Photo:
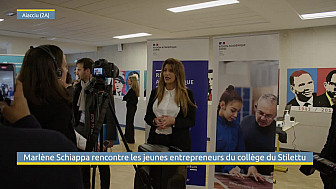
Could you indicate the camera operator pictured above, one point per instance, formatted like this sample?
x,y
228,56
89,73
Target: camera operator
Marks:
x,y
81,104
329,151
18,139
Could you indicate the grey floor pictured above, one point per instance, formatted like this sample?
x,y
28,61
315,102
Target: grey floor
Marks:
x,y
122,176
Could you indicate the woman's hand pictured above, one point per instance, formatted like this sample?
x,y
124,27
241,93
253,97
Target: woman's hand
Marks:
x,y
253,170
157,121
19,108
236,172
164,121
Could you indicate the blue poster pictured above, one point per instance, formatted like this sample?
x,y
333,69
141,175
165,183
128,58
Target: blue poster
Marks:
x,y
196,80
129,73
311,72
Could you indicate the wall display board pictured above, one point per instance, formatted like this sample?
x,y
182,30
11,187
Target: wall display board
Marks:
x,y
311,89
12,59
250,64
194,54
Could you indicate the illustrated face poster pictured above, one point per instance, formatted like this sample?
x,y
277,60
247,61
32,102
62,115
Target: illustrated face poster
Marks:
x,y
311,89
129,73
119,87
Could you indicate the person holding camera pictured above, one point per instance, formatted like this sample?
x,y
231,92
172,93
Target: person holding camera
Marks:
x,y
32,138
43,74
81,105
131,99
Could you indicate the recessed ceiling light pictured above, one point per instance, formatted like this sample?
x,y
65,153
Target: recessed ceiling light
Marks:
x,y
132,35
202,5
318,15
11,14
1,19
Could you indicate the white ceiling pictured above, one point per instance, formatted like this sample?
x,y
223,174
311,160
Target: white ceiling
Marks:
x,y
95,22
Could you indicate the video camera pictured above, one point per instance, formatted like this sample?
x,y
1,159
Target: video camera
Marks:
x,y
321,164
102,69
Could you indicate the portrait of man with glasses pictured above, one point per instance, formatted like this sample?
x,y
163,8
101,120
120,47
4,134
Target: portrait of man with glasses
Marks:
x,y
325,100
259,130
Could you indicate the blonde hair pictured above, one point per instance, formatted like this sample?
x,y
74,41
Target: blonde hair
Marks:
x,y
181,93
135,86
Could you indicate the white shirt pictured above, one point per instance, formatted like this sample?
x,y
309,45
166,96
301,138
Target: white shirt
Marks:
x,y
166,107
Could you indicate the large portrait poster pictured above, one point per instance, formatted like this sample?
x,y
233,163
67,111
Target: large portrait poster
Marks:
x,y
311,89
245,105
194,54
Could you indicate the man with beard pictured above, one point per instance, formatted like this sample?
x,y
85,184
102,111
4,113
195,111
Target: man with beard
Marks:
x,y
325,100
302,85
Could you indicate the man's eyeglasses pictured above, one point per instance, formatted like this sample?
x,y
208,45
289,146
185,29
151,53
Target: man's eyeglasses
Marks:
x,y
267,116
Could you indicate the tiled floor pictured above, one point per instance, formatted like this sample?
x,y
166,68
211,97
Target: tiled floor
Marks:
x,y
122,176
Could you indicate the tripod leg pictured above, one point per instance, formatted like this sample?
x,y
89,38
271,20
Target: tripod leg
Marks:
x,y
93,176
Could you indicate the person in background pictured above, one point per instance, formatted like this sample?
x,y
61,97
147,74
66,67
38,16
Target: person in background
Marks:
x,y
43,75
229,137
32,138
259,130
81,106
131,99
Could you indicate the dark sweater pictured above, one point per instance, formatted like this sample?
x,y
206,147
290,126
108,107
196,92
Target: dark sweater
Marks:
x,y
31,138
55,116
258,139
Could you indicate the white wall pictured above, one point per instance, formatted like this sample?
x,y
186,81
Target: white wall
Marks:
x,y
299,48
306,48
18,45
132,57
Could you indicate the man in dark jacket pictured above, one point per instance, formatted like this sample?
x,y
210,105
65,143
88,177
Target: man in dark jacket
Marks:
x,y
259,129
329,152
82,103
26,135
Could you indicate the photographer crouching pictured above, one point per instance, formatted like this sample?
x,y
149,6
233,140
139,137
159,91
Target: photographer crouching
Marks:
x,y
84,106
